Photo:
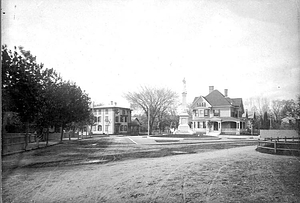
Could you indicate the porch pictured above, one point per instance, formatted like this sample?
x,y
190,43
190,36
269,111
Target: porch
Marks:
x,y
225,126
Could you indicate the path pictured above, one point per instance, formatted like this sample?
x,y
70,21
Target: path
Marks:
x,y
224,175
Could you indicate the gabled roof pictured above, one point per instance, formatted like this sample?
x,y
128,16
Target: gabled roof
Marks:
x,y
135,122
196,99
216,98
236,101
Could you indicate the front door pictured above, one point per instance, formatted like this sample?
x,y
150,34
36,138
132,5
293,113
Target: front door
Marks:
x,y
215,126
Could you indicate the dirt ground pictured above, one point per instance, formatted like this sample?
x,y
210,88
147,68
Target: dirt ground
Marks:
x,y
116,170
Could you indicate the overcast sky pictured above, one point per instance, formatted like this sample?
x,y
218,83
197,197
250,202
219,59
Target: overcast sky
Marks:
x,y
109,47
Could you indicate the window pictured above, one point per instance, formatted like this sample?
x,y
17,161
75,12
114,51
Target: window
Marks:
x,y
125,127
106,128
121,127
200,113
202,104
99,119
204,125
196,114
106,111
198,124
117,118
95,119
194,124
216,112
123,112
106,118
206,112
125,119
99,127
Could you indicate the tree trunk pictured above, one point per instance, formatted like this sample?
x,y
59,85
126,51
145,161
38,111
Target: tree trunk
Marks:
x,y
77,135
26,135
90,131
61,133
47,136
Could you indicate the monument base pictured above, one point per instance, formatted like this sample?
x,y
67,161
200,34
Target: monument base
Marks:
x,y
184,129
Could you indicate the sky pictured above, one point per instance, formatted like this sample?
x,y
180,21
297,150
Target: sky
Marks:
x,y
111,47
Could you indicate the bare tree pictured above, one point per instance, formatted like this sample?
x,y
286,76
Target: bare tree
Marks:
x,y
152,100
276,111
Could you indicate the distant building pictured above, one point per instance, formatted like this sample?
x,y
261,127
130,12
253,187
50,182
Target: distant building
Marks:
x,y
217,114
111,119
134,126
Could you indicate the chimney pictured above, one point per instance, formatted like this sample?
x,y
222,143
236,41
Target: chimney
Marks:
x,y
211,88
115,103
111,102
226,92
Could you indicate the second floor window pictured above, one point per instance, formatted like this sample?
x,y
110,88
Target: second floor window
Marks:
x,y
206,112
216,112
99,119
106,111
117,118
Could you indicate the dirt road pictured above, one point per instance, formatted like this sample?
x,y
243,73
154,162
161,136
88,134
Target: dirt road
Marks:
x,y
228,175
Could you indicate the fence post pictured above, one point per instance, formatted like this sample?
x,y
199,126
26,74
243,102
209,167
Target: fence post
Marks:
x,y
275,147
25,141
284,139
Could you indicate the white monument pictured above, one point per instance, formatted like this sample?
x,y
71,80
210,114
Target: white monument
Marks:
x,y
184,127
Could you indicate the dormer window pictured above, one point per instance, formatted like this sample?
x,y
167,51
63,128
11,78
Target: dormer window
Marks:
x,y
201,104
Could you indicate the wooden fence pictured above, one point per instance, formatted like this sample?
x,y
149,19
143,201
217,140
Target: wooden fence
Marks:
x,y
291,144
12,142
17,142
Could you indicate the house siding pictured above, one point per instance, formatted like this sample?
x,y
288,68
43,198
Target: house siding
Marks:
x,y
225,112
106,120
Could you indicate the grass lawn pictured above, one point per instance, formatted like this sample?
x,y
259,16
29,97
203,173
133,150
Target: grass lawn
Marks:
x,y
113,169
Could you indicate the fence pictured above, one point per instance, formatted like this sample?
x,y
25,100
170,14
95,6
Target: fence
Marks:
x,y
278,133
291,144
16,142
12,142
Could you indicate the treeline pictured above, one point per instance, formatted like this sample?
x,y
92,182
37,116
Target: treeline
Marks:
x,y
275,114
38,97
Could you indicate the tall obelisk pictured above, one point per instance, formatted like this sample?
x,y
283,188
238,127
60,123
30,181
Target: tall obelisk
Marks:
x,y
184,127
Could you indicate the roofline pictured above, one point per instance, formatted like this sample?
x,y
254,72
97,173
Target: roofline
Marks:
x,y
110,107
203,98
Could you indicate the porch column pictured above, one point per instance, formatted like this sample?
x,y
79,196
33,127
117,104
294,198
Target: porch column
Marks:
x,y
220,126
207,127
238,127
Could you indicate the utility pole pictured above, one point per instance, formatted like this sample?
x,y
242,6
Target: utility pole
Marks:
x,y
148,120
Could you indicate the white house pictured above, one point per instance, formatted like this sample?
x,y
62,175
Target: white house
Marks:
x,y
111,119
217,114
